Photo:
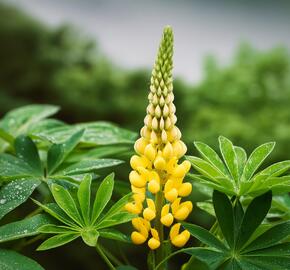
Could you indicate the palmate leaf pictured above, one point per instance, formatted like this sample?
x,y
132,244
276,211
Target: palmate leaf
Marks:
x,y
57,241
66,202
58,152
256,159
11,260
27,151
15,193
84,198
98,152
80,219
103,196
267,251
23,228
237,175
97,133
86,166
20,120
229,155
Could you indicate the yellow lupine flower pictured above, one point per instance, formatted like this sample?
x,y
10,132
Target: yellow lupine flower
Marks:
x,y
178,239
156,169
154,241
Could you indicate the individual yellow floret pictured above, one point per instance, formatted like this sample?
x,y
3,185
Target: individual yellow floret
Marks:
x,y
176,238
154,241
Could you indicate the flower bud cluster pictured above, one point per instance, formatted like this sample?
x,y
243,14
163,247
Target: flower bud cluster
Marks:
x,y
155,166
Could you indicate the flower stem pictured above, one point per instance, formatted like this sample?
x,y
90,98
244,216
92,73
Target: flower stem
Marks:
x,y
159,254
105,258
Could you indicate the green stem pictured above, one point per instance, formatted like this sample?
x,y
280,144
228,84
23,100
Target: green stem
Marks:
x,y
6,136
105,258
114,259
159,253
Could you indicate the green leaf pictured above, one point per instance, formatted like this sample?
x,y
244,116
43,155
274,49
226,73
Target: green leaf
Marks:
x,y
267,262
254,215
276,169
103,196
55,229
229,156
54,210
84,197
238,212
20,120
65,201
97,133
209,256
104,133
96,153
58,152
11,260
116,219
279,250
15,193
256,159
241,158
23,228
12,167
57,240
86,166
211,156
117,207
224,214
270,237
204,236
204,167
207,207
115,235
90,236
27,151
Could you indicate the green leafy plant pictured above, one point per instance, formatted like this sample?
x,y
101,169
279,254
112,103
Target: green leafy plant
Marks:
x,y
241,241
79,218
236,174
67,172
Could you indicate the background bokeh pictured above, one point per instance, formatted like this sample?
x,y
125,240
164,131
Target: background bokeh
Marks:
x,y
241,90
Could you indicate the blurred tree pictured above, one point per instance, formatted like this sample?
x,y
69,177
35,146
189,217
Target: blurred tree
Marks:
x,y
246,101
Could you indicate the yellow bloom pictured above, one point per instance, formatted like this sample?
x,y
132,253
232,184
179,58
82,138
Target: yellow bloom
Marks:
x,y
156,167
154,241
178,239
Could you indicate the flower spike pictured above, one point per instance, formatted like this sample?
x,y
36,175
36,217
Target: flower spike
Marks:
x,y
157,177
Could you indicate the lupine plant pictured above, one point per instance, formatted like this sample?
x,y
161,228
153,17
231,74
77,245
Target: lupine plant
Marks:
x,y
67,171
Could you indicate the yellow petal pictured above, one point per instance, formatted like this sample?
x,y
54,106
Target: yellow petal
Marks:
x,y
185,189
137,161
137,180
174,231
153,186
167,220
150,152
153,243
138,238
133,208
182,213
171,195
149,214
140,145
160,163
167,152
151,204
181,239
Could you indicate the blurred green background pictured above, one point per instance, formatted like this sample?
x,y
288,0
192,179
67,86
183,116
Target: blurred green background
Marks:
x,y
246,100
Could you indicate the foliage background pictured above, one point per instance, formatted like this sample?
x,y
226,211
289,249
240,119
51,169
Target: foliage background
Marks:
x,y
246,101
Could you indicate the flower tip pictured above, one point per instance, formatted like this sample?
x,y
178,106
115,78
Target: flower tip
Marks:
x,y
153,243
